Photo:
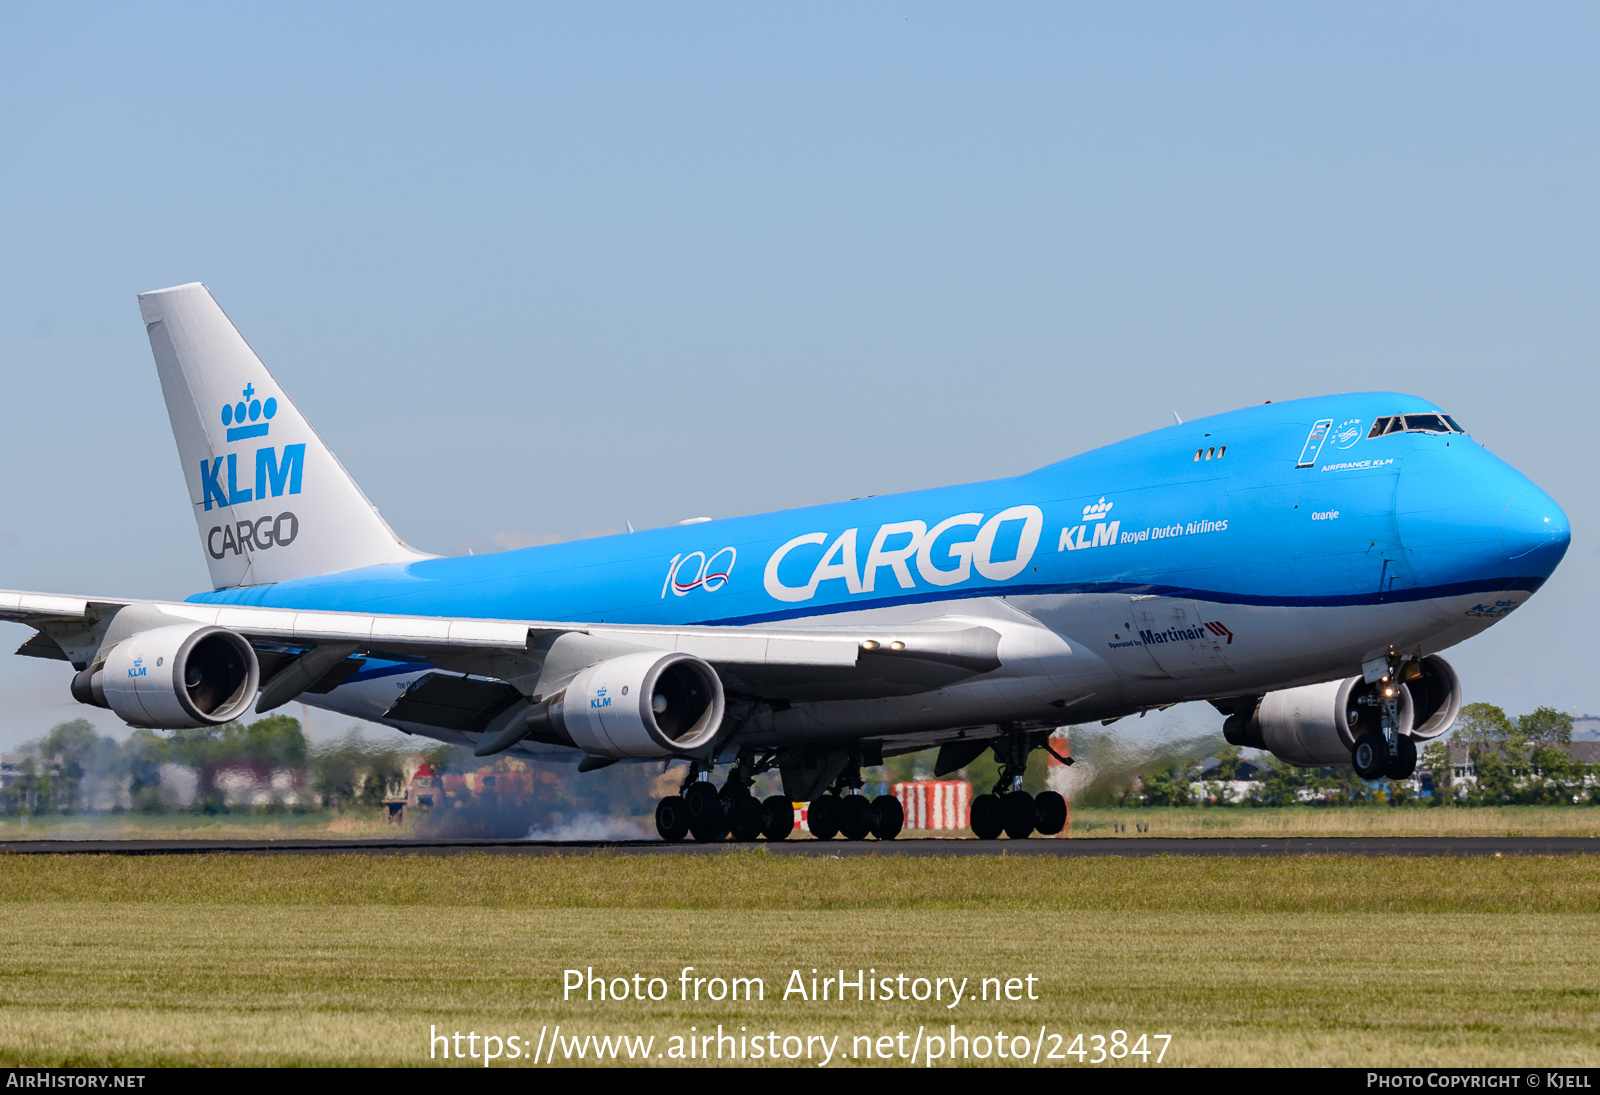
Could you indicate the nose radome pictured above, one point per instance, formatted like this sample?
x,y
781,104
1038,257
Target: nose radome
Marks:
x,y
1535,532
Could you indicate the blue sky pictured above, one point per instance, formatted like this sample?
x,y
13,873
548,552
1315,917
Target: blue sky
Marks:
x,y
536,270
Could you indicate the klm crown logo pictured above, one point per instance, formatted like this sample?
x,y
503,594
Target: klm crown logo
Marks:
x,y
250,417
1095,531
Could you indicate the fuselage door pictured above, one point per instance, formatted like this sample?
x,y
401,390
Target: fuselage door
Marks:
x,y
1182,643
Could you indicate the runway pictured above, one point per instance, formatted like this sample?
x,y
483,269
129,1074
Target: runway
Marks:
x,y
1236,847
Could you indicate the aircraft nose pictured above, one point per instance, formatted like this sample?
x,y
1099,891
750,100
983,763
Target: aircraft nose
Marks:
x,y
1534,532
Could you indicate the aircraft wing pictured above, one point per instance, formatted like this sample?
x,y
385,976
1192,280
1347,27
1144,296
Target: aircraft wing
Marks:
x,y
304,651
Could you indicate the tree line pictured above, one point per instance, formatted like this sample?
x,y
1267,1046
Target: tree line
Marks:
x,y
1513,761
60,773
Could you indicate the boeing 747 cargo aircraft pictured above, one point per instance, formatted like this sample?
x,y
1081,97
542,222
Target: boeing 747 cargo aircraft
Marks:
x,y
1298,565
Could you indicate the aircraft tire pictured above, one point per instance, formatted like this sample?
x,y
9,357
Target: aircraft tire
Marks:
x,y
1404,762
777,817
855,817
744,815
888,817
1050,812
1018,815
708,817
824,816
1370,756
672,819
988,820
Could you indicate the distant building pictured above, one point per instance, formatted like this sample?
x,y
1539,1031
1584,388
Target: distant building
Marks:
x,y
243,784
13,766
423,791
1463,771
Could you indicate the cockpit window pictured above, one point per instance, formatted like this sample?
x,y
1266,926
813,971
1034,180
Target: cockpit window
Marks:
x,y
1415,423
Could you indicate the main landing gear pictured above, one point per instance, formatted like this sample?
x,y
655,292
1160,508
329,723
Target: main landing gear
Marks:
x,y
708,814
1384,752
842,810
1008,808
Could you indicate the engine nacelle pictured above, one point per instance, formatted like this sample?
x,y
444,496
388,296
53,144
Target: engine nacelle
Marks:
x,y
174,678
1435,696
649,704
1318,724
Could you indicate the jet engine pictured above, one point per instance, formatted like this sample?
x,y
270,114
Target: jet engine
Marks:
x,y
1318,724
650,704
174,678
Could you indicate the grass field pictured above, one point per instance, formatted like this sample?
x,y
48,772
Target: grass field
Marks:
x,y
1375,821
1192,821
320,824
244,960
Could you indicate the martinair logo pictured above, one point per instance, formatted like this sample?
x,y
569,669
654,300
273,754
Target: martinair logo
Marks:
x,y
1187,634
687,573
1095,531
277,471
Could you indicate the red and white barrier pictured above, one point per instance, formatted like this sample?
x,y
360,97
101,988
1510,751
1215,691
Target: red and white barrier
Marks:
x,y
936,804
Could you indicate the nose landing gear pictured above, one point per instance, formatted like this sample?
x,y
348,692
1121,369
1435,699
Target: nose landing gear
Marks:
x,y
1385,752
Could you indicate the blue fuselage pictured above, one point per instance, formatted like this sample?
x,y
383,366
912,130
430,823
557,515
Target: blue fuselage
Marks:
x,y
1265,548
1243,508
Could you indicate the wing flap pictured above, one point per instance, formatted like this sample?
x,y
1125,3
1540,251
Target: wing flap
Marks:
x,y
463,704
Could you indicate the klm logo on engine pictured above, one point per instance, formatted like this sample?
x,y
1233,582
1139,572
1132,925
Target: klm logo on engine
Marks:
x,y
1095,531
276,470
600,699
137,669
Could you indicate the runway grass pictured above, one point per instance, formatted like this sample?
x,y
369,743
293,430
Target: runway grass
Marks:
x,y
1093,823
314,960
1323,821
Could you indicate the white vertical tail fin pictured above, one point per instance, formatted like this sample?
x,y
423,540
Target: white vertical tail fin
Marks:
x,y
271,500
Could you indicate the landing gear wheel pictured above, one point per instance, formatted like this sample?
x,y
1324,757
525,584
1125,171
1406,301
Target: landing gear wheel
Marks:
x,y
672,819
744,815
777,817
824,816
888,817
708,819
988,819
855,817
1404,762
1050,812
1370,756
1017,816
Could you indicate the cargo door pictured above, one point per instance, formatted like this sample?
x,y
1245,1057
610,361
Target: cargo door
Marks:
x,y
1180,641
